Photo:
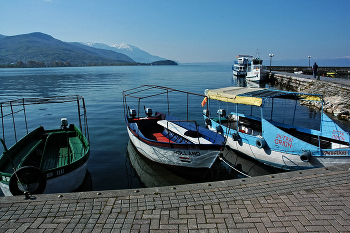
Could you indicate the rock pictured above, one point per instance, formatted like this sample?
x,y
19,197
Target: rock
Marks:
x,y
335,96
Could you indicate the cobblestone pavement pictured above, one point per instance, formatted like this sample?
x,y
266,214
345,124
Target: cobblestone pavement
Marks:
x,y
315,200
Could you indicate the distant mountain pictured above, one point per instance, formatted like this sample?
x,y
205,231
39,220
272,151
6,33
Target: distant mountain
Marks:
x,y
40,47
164,62
135,53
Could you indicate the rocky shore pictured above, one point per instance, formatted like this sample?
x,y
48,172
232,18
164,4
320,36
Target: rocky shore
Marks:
x,y
336,96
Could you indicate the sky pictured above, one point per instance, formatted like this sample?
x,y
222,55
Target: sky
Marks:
x,y
192,30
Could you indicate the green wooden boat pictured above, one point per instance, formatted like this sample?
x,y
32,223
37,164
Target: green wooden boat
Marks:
x,y
45,161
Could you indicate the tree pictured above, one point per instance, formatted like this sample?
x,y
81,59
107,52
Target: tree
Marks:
x,y
20,64
67,64
31,64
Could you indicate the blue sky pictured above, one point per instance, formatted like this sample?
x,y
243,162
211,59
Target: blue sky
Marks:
x,y
192,30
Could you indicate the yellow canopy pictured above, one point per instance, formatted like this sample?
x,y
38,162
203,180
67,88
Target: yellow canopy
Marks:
x,y
253,96
230,94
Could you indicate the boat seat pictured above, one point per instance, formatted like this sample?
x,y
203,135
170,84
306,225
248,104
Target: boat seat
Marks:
x,y
33,156
78,149
56,152
22,155
182,132
176,138
161,138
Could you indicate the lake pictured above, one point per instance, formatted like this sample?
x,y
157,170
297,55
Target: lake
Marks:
x,y
113,162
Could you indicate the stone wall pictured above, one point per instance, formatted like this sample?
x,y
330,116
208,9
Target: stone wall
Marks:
x,y
336,97
308,70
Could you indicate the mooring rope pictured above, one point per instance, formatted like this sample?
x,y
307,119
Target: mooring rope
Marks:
x,y
222,159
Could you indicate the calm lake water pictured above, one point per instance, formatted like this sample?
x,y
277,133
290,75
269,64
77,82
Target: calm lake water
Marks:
x,y
113,162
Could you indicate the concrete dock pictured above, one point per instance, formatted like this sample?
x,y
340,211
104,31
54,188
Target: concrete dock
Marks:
x,y
315,200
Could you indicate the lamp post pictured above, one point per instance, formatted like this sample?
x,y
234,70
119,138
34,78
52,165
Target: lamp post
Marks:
x,y
271,55
309,60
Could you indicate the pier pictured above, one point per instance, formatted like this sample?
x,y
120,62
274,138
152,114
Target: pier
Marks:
x,y
315,200
322,70
335,91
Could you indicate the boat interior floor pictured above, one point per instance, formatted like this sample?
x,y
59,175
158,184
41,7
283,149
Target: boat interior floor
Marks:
x,y
46,151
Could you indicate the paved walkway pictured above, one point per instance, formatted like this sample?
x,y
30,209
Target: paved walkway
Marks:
x,y
315,200
341,81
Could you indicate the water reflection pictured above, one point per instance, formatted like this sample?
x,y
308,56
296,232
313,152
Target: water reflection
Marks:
x,y
86,185
155,175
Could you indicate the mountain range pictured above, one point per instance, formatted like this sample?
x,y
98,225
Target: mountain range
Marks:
x,y
133,52
38,50
41,48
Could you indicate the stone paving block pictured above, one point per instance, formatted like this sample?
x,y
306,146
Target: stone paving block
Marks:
x,y
294,202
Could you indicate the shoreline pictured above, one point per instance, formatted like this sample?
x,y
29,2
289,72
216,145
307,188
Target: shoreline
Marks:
x,y
336,93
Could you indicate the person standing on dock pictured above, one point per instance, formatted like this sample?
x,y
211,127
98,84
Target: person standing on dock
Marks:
x,y
314,69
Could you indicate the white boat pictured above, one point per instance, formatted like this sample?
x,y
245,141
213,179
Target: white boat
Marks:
x,y
255,128
43,161
256,72
164,139
250,68
240,66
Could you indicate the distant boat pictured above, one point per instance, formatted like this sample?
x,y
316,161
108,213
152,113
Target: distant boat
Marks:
x,y
240,66
164,139
252,129
256,72
44,161
250,68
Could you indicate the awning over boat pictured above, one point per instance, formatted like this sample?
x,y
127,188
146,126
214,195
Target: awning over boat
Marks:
x,y
255,96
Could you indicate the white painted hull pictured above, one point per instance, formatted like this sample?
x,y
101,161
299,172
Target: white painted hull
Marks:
x,y
61,184
256,75
269,157
189,158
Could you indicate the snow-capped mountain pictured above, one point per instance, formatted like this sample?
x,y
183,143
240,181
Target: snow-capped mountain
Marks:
x,y
123,46
133,52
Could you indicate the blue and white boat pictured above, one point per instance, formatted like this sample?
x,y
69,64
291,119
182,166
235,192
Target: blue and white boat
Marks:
x,y
256,127
165,139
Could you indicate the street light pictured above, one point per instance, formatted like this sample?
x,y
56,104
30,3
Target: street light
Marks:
x,y
271,55
309,60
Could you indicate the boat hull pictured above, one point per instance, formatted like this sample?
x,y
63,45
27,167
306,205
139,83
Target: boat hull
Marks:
x,y
283,160
188,156
246,144
256,75
61,184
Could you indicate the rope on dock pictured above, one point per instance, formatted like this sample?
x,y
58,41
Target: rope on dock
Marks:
x,y
227,163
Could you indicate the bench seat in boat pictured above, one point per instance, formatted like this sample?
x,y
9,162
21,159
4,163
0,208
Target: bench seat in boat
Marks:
x,y
181,131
